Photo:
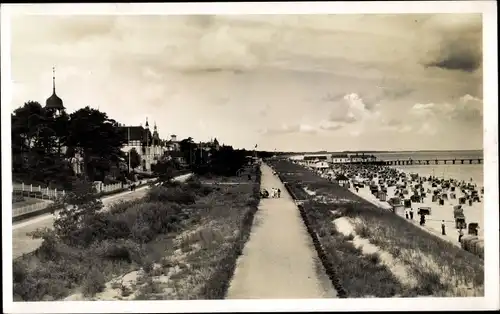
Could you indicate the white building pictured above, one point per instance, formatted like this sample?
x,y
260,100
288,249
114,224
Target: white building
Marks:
x,y
362,158
313,159
148,145
320,165
340,158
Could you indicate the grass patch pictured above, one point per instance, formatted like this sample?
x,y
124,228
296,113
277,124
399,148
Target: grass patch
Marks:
x,y
440,268
21,201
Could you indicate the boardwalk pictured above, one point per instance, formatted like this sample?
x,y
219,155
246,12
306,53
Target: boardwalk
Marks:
x,y
279,260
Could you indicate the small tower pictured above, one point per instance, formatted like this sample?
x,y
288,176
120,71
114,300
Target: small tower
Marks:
x,y
54,104
156,140
155,132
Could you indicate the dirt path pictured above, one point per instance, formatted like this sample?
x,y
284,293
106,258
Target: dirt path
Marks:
x,y
279,260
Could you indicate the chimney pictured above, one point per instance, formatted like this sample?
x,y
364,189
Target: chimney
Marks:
x,y
173,138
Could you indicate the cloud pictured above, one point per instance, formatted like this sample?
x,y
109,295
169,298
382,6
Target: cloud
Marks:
x,y
467,109
350,109
265,111
293,128
427,129
395,125
459,41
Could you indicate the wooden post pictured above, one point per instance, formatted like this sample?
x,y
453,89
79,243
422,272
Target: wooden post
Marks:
x,y
31,187
22,186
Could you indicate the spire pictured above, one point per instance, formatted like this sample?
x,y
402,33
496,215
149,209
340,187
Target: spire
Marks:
x,y
54,102
54,80
147,124
155,128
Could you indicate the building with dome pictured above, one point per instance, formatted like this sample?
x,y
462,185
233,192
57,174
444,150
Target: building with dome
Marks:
x,y
54,104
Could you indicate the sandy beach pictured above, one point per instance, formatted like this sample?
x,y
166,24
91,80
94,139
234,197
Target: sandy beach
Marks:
x,y
474,213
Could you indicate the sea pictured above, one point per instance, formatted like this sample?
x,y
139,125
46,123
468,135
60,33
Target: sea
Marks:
x,y
464,172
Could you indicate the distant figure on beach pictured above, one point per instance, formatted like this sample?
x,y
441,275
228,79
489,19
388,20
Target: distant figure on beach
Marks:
x,y
411,213
460,235
406,214
422,219
443,231
279,193
357,189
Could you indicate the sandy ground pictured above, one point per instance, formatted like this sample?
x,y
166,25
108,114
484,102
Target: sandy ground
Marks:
x,y
279,260
22,244
474,213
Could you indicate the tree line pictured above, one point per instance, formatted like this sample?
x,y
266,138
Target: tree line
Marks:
x,y
43,144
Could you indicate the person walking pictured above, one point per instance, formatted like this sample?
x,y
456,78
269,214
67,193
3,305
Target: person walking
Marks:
x,y
460,235
422,219
411,213
279,193
406,213
443,230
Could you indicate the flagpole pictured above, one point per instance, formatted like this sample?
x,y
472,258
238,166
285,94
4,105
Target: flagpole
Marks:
x,y
128,144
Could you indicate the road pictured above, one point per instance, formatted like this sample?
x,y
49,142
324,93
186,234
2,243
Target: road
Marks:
x,y
279,260
22,244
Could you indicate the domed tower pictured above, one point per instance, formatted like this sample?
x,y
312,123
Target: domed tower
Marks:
x,y
156,141
54,104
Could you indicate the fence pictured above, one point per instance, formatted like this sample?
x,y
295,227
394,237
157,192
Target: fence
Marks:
x,y
36,191
30,208
52,194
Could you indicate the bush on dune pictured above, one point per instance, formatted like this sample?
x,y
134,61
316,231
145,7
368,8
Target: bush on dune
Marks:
x,y
179,194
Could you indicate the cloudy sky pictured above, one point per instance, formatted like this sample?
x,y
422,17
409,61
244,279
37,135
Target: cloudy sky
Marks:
x,y
290,82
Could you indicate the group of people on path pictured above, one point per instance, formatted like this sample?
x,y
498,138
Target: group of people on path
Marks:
x,y
275,193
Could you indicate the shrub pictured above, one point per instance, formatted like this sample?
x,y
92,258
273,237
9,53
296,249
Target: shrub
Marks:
x,y
175,195
120,249
145,221
94,283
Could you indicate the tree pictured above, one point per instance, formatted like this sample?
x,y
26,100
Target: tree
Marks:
x,y
188,150
80,209
135,159
165,170
98,138
37,138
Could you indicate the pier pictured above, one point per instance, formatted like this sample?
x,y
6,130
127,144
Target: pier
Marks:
x,y
412,162
417,162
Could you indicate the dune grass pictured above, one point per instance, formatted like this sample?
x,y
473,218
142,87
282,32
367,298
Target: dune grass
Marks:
x,y
438,267
181,242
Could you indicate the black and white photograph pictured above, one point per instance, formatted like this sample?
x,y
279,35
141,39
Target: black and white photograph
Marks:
x,y
342,157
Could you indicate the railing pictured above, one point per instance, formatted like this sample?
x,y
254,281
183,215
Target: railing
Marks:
x,y
50,195
36,191
29,208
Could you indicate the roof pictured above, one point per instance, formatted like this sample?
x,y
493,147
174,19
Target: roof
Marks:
x,y
318,157
137,133
54,102
339,155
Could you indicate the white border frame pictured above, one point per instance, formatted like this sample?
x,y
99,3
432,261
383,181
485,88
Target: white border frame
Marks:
x,y
491,299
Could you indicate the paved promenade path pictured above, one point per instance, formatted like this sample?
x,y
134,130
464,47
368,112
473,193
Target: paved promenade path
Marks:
x,y
22,244
279,260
